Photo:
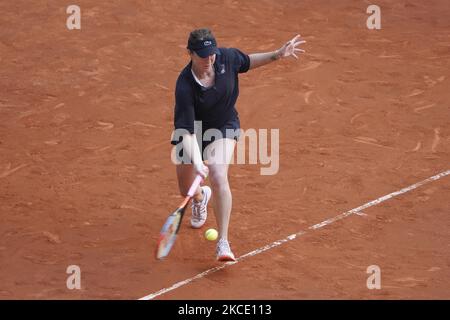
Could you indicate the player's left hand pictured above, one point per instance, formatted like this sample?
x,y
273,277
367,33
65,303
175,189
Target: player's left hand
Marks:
x,y
290,47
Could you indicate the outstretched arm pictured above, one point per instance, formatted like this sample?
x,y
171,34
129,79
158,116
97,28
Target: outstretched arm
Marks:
x,y
288,49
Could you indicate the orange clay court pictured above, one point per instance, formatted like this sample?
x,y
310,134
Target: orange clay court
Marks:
x,y
86,177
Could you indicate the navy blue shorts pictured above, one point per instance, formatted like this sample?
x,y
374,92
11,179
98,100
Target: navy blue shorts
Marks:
x,y
230,130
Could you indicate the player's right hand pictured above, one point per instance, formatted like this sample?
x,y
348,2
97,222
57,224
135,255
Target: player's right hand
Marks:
x,y
201,169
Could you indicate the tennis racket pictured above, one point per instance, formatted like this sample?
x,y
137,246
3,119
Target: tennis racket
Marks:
x,y
169,231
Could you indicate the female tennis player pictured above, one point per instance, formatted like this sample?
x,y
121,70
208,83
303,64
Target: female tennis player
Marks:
x,y
205,98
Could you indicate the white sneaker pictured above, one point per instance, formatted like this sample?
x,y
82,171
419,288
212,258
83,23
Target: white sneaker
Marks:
x,y
199,209
223,251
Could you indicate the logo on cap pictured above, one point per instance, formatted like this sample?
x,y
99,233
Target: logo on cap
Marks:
x,y
207,43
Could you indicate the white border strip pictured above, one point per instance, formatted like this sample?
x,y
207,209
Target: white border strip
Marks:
x,y
295,235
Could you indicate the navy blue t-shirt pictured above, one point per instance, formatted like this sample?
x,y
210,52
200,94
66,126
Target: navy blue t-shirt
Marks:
x,y
214,106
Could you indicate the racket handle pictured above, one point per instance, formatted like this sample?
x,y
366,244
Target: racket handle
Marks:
x,y
194,186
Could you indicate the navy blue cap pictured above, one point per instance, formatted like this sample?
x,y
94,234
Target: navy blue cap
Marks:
x,y
204,48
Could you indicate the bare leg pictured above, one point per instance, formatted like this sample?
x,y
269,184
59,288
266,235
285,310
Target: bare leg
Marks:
x,y
186,175
218,163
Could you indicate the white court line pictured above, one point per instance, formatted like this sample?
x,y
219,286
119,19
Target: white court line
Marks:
x,y
295,235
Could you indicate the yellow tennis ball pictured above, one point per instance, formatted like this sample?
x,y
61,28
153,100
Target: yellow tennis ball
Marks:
x,y
211,234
